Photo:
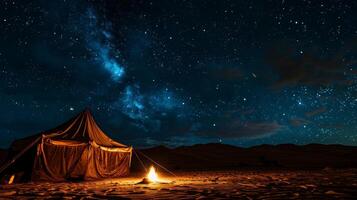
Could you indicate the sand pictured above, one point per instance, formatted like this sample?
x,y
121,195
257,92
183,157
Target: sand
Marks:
x,y
322,184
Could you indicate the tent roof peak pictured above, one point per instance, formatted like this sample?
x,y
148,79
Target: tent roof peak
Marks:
x,y
82,127
87,110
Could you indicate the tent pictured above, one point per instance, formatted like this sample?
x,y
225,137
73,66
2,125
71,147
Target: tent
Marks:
x,y
75,150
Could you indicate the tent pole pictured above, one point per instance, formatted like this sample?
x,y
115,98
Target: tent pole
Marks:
x,y
5,166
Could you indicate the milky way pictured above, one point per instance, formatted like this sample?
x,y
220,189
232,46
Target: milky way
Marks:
x,y
182,72
99,42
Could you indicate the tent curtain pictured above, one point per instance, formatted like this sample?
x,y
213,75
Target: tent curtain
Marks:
x,y
60,160
104,162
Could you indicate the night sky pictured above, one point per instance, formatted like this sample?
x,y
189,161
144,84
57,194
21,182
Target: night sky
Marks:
x,y
180,72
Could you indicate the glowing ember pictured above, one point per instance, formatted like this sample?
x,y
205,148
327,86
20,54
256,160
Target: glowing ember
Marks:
x,y
152,175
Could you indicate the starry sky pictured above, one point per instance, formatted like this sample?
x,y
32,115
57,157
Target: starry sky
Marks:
x,y
180,72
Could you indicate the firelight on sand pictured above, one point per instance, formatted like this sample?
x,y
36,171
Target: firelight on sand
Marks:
x,y
152,175
153,178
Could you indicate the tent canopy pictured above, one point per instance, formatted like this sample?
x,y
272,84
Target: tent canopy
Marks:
x,y
82,128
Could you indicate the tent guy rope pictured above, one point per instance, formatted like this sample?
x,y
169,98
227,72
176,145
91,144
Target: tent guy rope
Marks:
x,y
141,162
162,167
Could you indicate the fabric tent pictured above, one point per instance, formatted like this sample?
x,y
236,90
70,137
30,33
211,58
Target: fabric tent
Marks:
x,y
77,149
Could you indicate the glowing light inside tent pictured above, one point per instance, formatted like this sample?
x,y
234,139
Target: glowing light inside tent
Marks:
x,y
11,180
152,175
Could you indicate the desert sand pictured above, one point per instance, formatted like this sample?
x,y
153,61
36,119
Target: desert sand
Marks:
x,y
322,184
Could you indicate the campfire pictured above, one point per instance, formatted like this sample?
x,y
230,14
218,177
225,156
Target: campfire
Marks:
x,y
152,175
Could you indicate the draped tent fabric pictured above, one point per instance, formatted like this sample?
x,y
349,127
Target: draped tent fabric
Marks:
x,y
77,149
104,162
63,160
58,162
82,128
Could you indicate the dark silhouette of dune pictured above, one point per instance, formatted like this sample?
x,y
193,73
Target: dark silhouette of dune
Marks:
x,y
221,156
215,156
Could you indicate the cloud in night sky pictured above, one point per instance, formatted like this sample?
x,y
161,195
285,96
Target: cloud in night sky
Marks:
x,y
227,73
315,112
236,129
298,122
308,69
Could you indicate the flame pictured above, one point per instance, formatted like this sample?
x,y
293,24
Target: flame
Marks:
x,y
152,175
11,180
